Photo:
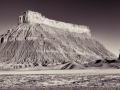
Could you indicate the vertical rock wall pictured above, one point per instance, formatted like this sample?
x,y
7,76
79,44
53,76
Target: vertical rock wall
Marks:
x,y
35,17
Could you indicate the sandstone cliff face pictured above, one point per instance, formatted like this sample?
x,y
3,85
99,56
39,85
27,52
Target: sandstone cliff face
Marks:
x,y
29,45
35,17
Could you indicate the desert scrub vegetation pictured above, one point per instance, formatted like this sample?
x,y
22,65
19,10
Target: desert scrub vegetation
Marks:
x,y
61,88
60,82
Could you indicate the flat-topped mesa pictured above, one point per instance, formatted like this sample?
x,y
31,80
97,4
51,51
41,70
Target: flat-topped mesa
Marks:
x,y
35,17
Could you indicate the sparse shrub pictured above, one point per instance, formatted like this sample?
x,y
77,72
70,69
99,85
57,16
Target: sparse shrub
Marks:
x,y
29,65
43,64
35,64
20,66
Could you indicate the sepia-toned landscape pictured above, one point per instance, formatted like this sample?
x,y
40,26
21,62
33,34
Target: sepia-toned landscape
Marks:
x,y
75,46
60,82
39,43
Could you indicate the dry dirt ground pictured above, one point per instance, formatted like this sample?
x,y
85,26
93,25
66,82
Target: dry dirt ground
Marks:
x,y
60,80
82,71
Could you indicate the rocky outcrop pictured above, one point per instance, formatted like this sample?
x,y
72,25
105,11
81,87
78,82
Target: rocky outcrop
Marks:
x,y
35,17
39,44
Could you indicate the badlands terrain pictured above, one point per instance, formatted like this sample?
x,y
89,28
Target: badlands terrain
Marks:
x,y
38,43
43,54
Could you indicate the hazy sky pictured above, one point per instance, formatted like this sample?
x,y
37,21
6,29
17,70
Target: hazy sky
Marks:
x,y
101,16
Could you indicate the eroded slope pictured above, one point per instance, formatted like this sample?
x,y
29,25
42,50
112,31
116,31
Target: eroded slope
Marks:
x,y
29,45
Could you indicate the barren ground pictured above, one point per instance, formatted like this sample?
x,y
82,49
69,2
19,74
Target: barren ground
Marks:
x,y
93,79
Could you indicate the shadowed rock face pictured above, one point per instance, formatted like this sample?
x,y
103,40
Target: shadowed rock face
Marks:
x,y
29,45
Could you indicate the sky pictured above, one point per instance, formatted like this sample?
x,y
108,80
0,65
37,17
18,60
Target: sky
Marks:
x,y
101,16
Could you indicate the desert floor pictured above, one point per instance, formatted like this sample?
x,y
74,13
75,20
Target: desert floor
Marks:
x,y
84,71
